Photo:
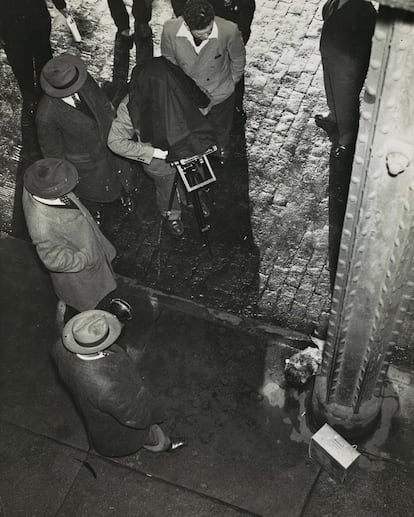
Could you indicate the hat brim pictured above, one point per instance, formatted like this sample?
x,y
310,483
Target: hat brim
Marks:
x,y
72,179
114,325
73,88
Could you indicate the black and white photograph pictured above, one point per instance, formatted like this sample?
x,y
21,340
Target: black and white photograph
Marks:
x,y
206,262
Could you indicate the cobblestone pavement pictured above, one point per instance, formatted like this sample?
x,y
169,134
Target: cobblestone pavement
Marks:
x,y
269,234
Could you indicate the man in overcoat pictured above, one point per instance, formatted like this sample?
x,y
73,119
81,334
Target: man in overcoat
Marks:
x,y
73,121
25,31
120,414
345,47
67,239
211,51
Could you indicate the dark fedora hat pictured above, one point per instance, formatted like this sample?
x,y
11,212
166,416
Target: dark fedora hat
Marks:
x,y
50,178
91,331
63,75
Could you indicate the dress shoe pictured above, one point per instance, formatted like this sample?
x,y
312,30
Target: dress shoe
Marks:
x,y
176,444
128,204
341,152
175,227
328,125
121,309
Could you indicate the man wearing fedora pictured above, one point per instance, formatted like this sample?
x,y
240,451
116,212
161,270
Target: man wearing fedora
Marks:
x,y
120,414
68,240
73,120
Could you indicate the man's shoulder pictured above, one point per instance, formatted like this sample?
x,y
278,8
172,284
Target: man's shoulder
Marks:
x,y
172,26
225,26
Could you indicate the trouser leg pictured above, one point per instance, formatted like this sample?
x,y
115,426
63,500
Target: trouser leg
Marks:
x,y
163,176
20,57
221,118
346,77
119,14
328,90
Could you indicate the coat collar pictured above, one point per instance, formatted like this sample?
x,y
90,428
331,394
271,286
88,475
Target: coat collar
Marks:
x,y
184,32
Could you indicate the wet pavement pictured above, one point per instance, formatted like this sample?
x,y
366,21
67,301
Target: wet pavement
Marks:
x,y
222,386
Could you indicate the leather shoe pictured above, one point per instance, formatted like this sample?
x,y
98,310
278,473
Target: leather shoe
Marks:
x,y
121,309
327,124
176,444
128,204
175,227
341,152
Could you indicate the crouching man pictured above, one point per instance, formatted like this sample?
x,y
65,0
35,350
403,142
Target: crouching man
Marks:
x,y
120,414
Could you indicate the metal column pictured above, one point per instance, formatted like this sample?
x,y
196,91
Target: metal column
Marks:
x,y
375,274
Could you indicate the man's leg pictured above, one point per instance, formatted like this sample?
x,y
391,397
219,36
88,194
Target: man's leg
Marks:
x,y
20,57
221,118
347,78
142,12
119,14
163,176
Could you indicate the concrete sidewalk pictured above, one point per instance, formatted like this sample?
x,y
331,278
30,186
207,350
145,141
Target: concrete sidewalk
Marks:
x,y
223,388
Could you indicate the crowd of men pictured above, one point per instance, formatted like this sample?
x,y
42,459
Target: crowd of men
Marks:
x,y
177,105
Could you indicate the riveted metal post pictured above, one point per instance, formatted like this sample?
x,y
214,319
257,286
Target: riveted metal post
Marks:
x,y
375,273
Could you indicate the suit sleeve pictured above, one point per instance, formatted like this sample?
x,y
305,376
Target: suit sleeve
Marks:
x,y
167,47
123,138
237,55
61,258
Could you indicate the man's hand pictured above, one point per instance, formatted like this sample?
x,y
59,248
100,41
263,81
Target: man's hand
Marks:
x,y
160,154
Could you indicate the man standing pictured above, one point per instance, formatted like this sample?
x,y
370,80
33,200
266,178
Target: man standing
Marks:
x,y
67,239
73,121
345,48
142,13
25,30
120,414
211,51
241,13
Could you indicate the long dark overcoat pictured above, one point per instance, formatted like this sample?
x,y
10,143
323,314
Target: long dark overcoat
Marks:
x,y
117,409
73,249
66,132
